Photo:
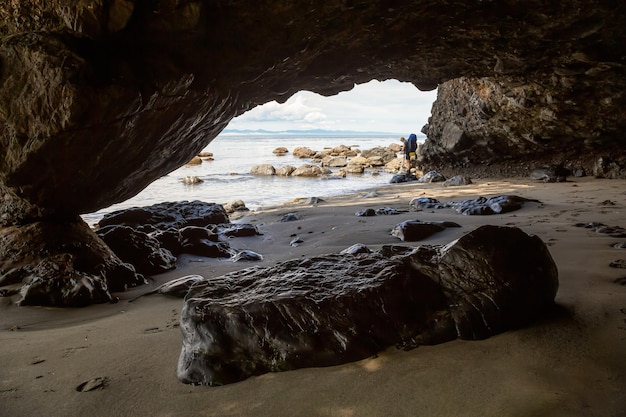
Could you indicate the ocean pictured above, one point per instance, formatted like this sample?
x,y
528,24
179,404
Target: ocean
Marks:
x,y
227,177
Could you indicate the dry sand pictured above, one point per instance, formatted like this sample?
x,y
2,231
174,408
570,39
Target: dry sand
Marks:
x,y
572,363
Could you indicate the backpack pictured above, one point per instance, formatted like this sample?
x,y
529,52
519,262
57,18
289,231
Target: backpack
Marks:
x,y
411,143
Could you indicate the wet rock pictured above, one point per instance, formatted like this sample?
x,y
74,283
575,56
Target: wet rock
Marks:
x,y
150,237
170,214
238,230
203,242
487,206
400,178
74,269
339,308
423,203
138,249
415,230
618,263
388,211
281,150
397,179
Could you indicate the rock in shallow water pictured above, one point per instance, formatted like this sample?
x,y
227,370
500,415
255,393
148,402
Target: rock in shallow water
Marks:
x,y
338,308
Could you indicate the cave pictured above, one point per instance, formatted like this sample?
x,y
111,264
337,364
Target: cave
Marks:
x,y
100,98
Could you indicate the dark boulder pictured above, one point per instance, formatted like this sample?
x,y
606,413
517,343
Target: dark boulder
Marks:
x,y
177,214
368,212
138,249
238,230
73,269
421,203
203,241
334,309
415,230
493,205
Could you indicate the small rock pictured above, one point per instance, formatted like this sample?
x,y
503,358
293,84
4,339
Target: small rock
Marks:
x,y
247,255
432,176
93,384
355,249
366,213
290,217
457,181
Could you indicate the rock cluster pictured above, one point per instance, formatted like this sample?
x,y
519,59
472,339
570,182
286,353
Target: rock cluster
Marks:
x,y
477,206
348,160
338,308
150,238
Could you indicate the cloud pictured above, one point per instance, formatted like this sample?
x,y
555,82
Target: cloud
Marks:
x,y
390,106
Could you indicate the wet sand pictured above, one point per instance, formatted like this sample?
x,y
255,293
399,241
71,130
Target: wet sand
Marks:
x,y
571,363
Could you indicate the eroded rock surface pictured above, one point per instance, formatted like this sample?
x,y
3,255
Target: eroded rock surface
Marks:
x,y
338,308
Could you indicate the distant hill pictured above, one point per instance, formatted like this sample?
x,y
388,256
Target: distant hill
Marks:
x,y
310,132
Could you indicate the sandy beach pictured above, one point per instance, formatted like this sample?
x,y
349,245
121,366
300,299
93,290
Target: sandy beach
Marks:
x,y
571,363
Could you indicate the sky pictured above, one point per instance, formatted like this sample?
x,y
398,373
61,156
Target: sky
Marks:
x,y
388,106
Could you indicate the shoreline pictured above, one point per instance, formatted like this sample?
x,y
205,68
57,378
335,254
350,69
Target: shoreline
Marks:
x,y
569,363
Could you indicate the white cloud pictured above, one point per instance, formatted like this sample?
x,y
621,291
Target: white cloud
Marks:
x,y
389,106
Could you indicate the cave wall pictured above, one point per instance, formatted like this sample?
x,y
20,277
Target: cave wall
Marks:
x,y
501,126
99,98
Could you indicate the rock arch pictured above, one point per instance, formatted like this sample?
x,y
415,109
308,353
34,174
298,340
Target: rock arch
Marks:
x,y
99,98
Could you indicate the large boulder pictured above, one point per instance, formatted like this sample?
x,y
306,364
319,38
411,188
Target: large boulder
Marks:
x,y
338,308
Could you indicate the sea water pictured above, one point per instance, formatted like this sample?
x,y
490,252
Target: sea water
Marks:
x,y
227,177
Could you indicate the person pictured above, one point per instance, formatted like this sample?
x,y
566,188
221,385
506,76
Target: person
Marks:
x,y
409,146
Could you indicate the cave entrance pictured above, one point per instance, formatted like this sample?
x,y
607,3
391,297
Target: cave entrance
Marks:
x,y
368,116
